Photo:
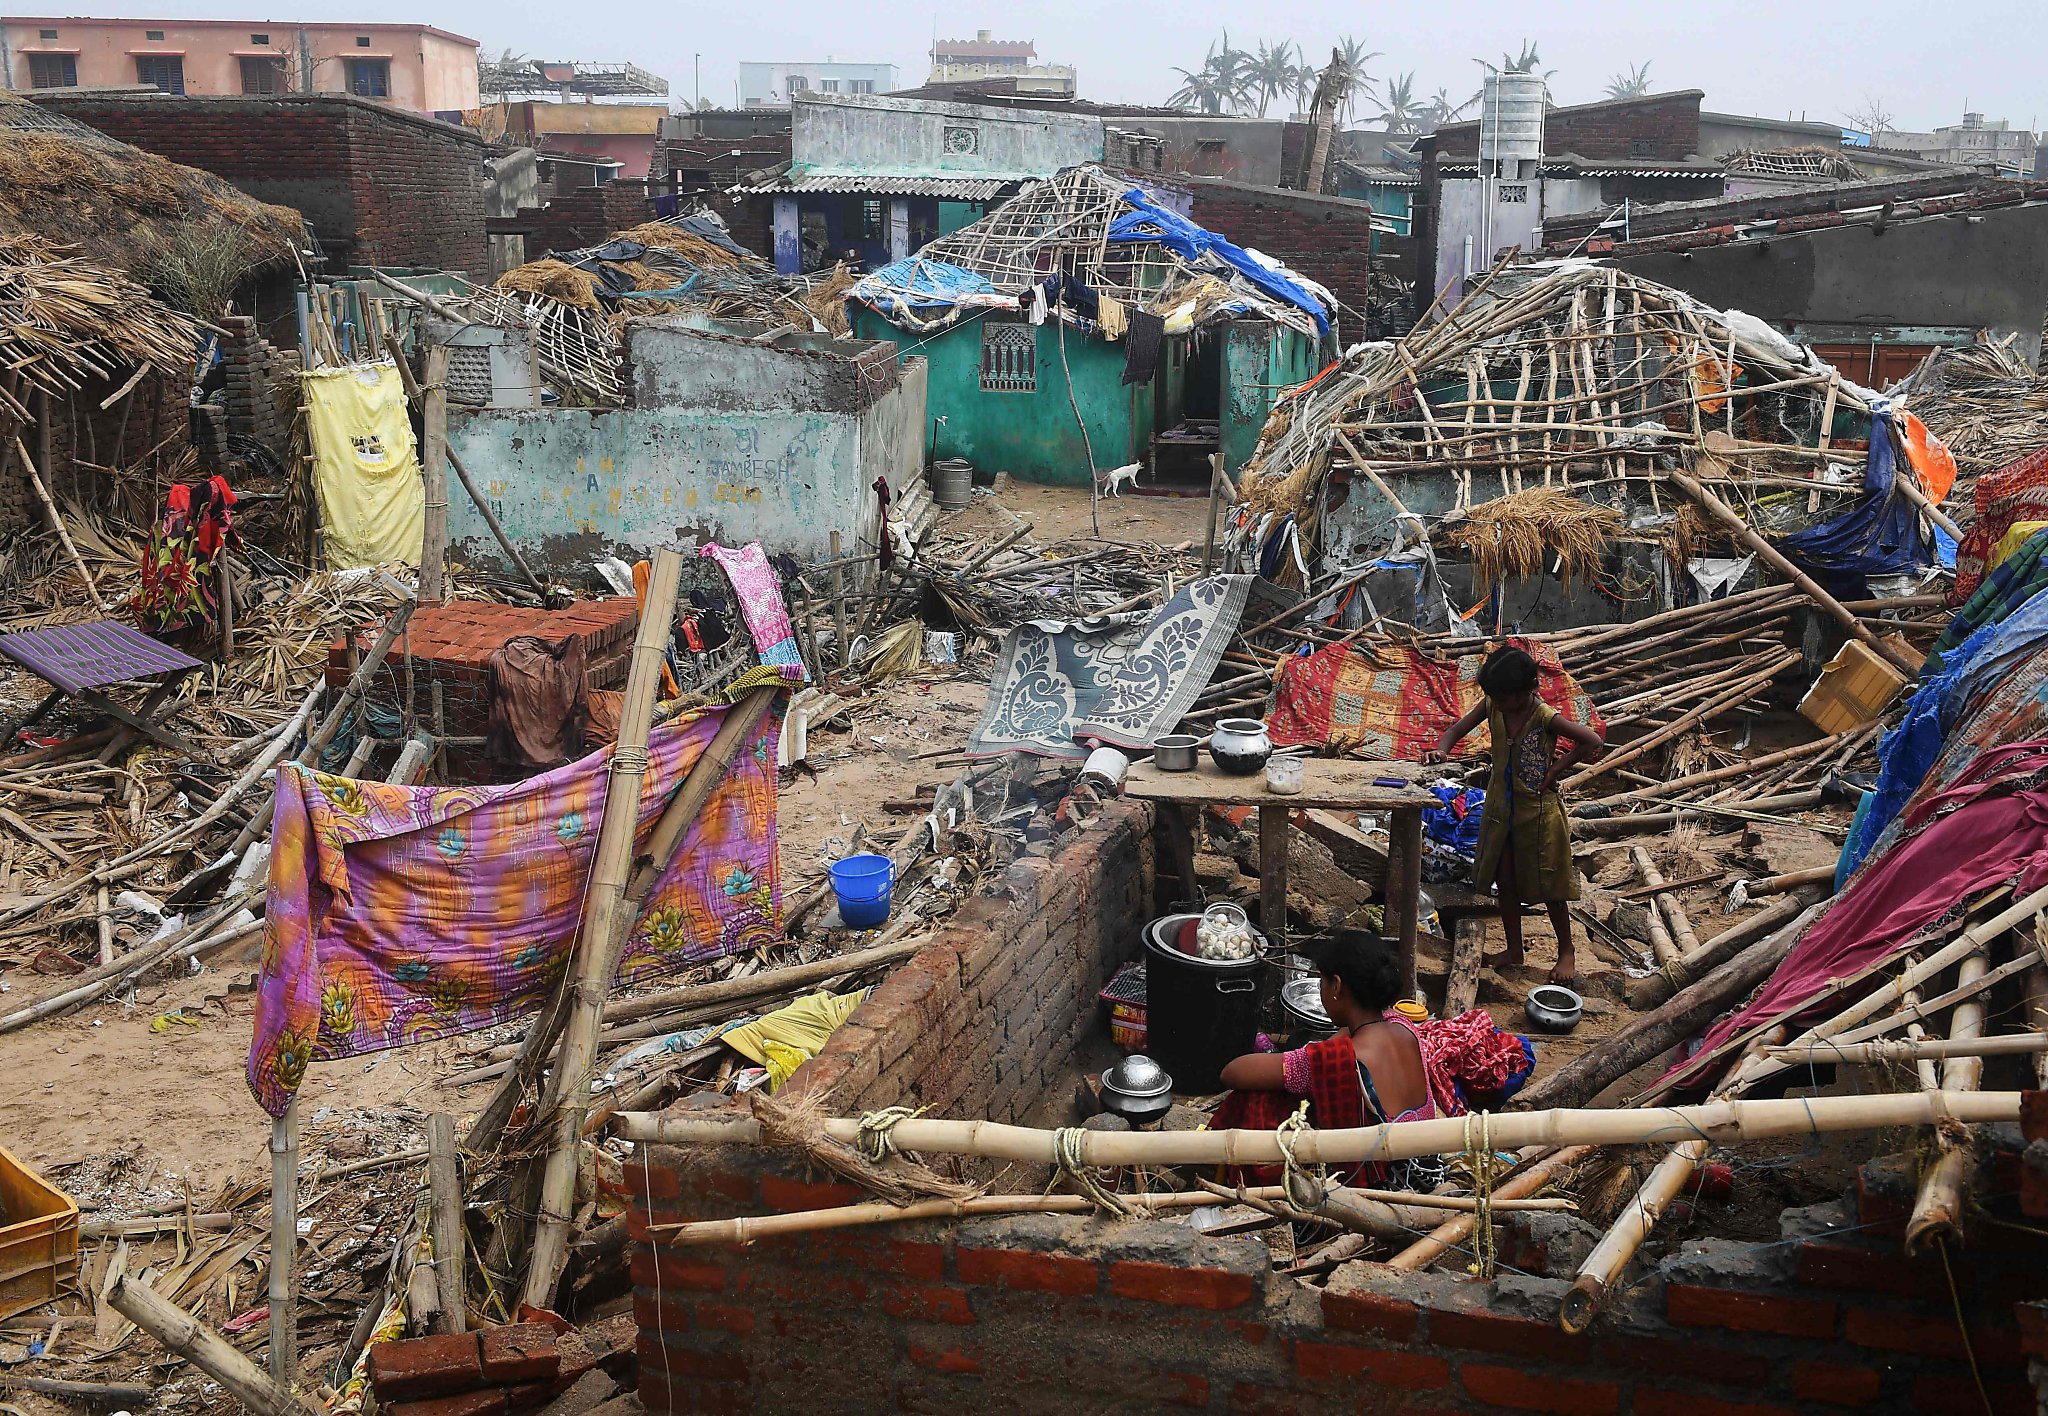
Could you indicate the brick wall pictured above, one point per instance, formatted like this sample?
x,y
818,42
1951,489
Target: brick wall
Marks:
x,y
1066,1314
1327,239
1664,125
378,186
259,377
588,216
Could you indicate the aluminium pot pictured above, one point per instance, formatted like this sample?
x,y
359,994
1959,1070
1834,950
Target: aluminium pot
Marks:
x,y
1301,1004
1175,752
1137,1089
1240,746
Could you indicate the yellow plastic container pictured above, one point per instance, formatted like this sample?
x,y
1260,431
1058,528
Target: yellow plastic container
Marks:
x,y
1855,687
38,1239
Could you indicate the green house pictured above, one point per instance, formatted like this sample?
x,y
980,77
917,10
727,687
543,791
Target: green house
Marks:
x,y
1046,401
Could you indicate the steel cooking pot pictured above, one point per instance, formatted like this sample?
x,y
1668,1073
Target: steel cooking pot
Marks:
x,y
1137,1089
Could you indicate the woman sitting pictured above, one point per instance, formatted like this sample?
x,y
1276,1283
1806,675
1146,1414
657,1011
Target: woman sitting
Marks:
x,y
1373,1070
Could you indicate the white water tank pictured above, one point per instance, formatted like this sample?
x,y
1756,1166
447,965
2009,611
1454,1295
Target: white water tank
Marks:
x,y
1511,118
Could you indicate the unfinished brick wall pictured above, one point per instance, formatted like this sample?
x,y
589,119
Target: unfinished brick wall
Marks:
x,y
1662,126
255,372
378,185
588,216
1065,1314
1327,239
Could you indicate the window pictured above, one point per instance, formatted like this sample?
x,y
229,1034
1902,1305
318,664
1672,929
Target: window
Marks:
x,y
1208,144
156,36
860,85
1009,357
369,78
1642,147
798,83
163,71
362,41
871,221
262,75
1514,192
828,86
48,34
259,39
52,71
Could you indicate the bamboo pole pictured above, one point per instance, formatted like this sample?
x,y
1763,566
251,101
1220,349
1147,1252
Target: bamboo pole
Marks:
x,y
568,1094
434,473
185,1335
1883,1050
1742,692
451,1245
1716,1121
42,492
1790,880
1452,1232
1778,561
1673,935
1627,1233
284,1245
840,646
1675,974
1938,1205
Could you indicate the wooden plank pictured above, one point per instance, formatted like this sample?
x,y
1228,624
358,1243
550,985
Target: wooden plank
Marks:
x,y
1335,784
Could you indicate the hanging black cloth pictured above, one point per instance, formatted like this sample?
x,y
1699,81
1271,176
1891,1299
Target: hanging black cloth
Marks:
x,y
1141,346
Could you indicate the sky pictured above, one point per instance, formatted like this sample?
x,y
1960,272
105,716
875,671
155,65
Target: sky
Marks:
x,y
1812,58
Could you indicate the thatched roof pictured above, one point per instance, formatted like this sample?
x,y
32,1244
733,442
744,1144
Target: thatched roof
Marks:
x,y
115,204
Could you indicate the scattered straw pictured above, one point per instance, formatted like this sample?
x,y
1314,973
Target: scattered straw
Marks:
x,y
554,279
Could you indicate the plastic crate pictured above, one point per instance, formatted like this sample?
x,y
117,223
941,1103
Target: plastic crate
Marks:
x,y
38,1239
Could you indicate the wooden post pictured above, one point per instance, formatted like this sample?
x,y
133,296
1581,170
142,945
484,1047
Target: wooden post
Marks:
x,y
284,1244
434,473
190,1339
1662,947
1215,489
568,1095
451,1248
1468,942
224,576
1404,886
1778,561
35,479
1272,871
839,645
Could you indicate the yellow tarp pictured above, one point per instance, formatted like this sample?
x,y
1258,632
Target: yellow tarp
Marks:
x,y
787,1038
2021,533
366,467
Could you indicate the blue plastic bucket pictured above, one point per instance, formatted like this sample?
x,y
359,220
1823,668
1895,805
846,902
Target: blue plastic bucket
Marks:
x,y
861,884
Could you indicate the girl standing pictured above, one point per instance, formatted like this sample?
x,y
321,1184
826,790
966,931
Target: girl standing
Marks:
x,y
1525,847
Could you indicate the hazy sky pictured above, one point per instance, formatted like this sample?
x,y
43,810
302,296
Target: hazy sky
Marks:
x,y
1815,57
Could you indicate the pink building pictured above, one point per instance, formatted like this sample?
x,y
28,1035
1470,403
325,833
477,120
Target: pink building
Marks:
x,y
410,66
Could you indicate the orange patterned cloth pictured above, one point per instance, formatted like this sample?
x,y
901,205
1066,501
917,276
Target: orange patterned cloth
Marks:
x,y
2016,492
1392,703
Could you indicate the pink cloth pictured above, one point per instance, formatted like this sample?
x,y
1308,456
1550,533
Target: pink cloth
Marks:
x,y
760,594
1991,840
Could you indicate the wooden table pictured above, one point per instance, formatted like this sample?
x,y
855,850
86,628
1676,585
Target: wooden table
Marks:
x,y
1332,784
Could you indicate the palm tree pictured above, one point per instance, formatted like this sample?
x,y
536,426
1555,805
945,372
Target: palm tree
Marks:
x,y
1440,110
1527,62
1219,86
1354,56
1632,84
1399,109
1271,72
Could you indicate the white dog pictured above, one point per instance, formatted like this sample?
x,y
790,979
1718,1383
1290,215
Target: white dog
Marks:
x,y
1116,479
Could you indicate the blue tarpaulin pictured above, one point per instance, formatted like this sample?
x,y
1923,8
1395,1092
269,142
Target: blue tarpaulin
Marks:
x,y
1148,221
1880,535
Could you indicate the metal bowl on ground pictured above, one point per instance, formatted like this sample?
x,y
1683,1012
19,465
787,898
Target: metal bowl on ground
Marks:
x,y
1175,752
1137,1089
1553,1008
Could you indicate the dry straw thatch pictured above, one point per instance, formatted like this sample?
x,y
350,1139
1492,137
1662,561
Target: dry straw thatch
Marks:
x,y
1530,532
556,280
61,181
66,322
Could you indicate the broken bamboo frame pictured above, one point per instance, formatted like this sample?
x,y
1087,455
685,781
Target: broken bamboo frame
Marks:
x,y
451,1245
56,517
192,1340
1939,1202
568,1093
1675,974
434,474
1582,1300
1715,1121
1741,692
1881,1050
1663,945
1779,562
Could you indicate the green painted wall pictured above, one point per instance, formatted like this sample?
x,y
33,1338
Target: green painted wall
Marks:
x,y
1260,360
1031,435
954,215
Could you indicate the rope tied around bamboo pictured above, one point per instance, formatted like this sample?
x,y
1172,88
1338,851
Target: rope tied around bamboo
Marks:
x,y
873,1161
1308,1186
1066,1152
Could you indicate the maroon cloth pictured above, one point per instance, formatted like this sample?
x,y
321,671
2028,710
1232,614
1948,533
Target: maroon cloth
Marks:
x,y
537,705
1994,838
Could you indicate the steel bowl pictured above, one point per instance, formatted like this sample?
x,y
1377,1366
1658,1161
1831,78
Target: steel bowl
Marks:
x,y
1137,1089
1553,1008
1175,752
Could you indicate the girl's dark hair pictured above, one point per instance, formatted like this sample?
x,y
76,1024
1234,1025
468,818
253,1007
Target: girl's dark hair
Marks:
x,y
1507,670
1365,963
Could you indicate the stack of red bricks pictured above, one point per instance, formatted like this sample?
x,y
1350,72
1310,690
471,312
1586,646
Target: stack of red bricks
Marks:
x,y
451,644
503,1371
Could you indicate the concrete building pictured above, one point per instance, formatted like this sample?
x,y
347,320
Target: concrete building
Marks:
x,y
1722,135
724,439
418,67
1996,146
880,177
986,57
773,85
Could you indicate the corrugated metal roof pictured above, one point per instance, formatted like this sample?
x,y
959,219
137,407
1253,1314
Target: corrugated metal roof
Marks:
x,y
959,189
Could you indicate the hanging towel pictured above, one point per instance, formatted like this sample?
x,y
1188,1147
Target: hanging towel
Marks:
x,y
1112,318
366,467
1141,350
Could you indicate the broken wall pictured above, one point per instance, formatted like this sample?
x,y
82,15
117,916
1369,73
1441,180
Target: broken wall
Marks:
x,y
727,441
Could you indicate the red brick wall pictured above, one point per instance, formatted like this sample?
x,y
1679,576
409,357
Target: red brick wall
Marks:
x,y
1664,126
588,216
1327,239
378,186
